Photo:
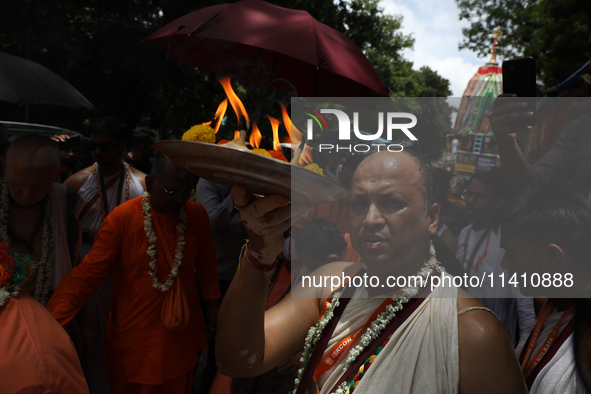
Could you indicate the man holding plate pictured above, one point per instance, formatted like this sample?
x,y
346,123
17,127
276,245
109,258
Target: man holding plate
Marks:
x,y
369,338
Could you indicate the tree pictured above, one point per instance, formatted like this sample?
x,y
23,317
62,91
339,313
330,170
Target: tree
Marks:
x,y
554,32
435,111
97,46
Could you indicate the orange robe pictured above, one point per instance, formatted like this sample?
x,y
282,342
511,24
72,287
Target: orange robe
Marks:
x,y
139,349
36,354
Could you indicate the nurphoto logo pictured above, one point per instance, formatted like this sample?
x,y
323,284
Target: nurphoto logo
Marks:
x,y
392,123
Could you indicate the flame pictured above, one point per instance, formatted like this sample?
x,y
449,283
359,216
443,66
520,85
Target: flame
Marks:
x,y
255,136
236,135
289,126
275,127
306,157
237,105
219,115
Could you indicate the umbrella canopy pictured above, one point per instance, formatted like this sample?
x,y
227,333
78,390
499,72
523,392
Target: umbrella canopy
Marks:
x,y
261,44
23,81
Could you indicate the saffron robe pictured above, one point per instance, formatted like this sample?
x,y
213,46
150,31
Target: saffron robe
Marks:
x,y
94,317
36,354
139,348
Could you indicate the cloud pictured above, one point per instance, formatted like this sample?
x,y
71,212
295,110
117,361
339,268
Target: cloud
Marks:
x,y
437,32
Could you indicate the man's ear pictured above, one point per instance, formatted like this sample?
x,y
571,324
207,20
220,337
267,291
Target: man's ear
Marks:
x,y
433,215
554,258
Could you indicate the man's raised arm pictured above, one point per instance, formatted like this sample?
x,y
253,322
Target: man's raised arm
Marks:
x,y
249,340
506,116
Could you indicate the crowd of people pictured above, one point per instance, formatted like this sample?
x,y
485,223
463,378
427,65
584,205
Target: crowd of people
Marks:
x,y
126,274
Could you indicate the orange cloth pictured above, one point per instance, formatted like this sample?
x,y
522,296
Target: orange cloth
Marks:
x,y
277,289
349,254
182,384
138,347
36,354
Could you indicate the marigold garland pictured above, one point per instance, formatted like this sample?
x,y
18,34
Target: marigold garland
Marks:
x,y
151,251
200,133
263,152
314,168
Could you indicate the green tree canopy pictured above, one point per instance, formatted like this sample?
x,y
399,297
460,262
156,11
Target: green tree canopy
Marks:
x,y
554,32
97,46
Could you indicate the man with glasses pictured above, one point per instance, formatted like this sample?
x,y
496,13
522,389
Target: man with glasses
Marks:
x,y
159,246
480,254
101,187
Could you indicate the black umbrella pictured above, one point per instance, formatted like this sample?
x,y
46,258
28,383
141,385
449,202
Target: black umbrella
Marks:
x,y
23,81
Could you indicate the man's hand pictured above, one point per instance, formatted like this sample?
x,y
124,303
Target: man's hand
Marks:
x,y
60,137
265,219
509,115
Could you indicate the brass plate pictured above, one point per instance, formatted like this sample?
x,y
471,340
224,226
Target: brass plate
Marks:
x,y
259,174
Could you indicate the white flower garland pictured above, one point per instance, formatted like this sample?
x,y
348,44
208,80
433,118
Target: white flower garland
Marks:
x,y
45,264
376,327
178,256
8,292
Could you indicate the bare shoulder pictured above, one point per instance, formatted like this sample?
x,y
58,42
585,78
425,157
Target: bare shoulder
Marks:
x,y
487,360
75,181
141,177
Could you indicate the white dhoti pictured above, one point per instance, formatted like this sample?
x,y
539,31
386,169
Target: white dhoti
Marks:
x,y
420,357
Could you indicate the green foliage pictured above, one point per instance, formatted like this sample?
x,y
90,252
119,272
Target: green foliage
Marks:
x,y
436,113
554,32
97,46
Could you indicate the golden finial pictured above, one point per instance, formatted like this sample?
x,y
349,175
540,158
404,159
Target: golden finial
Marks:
x,y
498,33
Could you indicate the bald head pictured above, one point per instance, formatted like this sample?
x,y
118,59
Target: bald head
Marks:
x,y
423,169
169,186
32,165
34,151
164,168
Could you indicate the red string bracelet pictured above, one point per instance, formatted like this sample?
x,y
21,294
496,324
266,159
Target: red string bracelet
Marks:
x,y
255,263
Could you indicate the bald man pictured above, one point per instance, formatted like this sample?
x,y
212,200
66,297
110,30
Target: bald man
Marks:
x,y
442,341
36,213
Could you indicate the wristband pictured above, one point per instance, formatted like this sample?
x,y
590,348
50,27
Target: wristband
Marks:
x,y
256,264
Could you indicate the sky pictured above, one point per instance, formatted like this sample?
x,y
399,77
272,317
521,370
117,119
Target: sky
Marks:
x,y
437,31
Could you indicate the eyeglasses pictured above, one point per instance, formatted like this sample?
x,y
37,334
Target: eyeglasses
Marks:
x,y
176,193
104,147
467,194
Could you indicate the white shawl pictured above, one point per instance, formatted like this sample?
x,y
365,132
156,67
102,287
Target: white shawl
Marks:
x,y
421,356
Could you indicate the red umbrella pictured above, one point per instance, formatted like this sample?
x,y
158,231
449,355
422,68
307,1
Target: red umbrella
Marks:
x,y
261,44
